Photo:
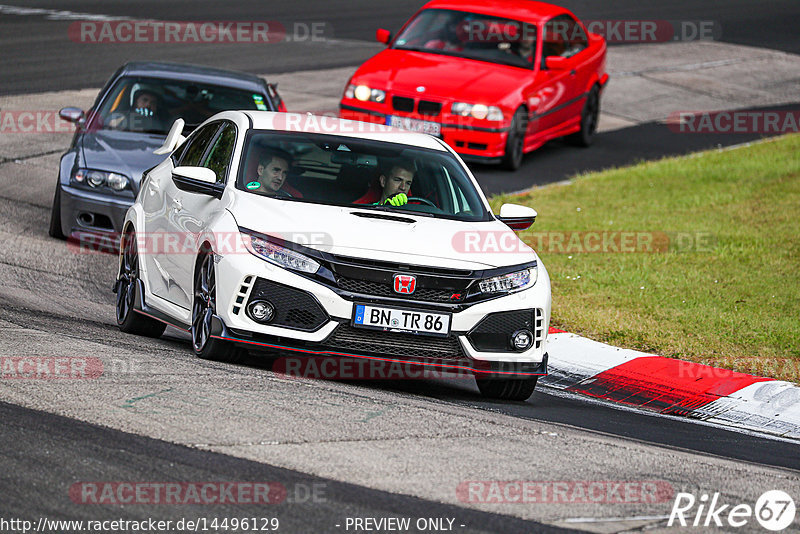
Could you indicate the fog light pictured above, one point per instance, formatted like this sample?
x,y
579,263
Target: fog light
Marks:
x,y
522,339
261,311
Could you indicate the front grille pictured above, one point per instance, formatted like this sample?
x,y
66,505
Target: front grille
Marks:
x,y
395,344
377,289
386,265
402,103
426,107
294,308
493,333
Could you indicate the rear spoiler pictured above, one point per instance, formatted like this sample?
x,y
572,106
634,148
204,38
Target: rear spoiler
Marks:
x,y
174,138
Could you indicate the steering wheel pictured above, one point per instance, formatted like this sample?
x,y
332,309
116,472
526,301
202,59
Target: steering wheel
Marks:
x,y
422,200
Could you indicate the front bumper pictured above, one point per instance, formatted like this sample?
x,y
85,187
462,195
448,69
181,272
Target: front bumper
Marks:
x,y
473,144
316,320
87,211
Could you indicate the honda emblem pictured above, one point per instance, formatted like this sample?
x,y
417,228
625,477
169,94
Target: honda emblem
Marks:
x,y
404,283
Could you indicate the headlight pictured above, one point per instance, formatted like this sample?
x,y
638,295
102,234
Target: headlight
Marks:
x,y
279,255
97,179
477,111
364,93
510,282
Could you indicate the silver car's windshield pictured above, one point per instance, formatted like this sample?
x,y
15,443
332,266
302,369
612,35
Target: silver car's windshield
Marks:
x,y
151,105
346,171
470,35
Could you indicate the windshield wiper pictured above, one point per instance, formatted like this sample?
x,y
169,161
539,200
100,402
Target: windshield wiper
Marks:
x,y
394,210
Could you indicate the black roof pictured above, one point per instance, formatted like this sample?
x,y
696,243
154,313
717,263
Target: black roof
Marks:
x,y
194,73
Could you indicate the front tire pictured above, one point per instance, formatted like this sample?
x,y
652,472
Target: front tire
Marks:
x,y
590,116
55,215
204,308
513,389
128,320
515,143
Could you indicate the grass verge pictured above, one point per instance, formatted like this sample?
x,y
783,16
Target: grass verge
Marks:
x,y
699,256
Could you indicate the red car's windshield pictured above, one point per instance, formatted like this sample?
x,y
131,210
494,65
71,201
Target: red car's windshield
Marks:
x,y
470,35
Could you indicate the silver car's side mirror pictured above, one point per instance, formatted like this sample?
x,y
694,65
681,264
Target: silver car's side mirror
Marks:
x,y
71,114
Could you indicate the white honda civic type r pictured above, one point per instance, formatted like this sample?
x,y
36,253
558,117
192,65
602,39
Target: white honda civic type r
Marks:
x,y
331,238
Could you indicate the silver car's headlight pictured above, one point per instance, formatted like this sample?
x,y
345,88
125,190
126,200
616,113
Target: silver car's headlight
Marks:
x,y
477,111
281,256
515,281
96,179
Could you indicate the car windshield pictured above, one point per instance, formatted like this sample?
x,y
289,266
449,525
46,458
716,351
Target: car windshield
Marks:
x,y
470,35
346,171
151,105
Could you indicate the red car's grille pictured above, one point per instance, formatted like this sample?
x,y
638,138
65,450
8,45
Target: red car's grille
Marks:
x,y
401,103
424,107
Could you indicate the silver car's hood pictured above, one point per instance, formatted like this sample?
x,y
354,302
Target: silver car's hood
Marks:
x,y
127,153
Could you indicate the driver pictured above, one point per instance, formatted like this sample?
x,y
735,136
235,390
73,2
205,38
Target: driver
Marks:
x,y
396,184
145,103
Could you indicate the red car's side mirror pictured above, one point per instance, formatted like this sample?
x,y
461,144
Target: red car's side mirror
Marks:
x,y
556,63
383,36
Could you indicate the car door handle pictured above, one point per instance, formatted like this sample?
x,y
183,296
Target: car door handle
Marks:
x,y
176,204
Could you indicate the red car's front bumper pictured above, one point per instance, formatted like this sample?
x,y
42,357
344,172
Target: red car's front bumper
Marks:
x,y
473,143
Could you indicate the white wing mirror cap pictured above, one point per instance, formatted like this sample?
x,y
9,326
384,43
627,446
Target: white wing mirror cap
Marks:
x,y
174,138
515,210
201,174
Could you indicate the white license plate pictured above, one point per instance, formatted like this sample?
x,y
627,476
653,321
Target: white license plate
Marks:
x,y
414,125
399,320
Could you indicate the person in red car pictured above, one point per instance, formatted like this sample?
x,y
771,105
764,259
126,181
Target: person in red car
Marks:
x,y
395,186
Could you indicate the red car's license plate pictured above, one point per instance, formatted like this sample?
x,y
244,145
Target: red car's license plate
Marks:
x,y
414,125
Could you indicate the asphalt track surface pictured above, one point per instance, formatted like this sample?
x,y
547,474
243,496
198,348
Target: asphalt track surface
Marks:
x,y
37,56
42,454
312,504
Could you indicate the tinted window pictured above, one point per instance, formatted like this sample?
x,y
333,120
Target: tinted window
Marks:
x,y
346,171
197,144
219,158
470,35
563,36
151,105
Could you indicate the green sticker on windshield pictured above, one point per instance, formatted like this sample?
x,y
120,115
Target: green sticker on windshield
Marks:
x,y
253,185
259,102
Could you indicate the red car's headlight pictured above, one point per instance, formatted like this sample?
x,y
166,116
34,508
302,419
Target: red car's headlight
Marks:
x,y
364,93
477,111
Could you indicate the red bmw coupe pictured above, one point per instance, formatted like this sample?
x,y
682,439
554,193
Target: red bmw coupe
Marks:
x,y
492,79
